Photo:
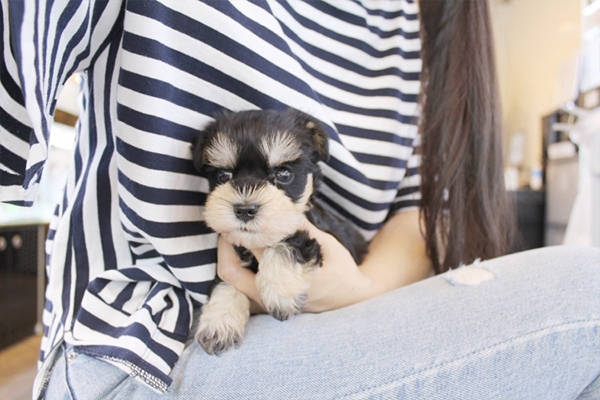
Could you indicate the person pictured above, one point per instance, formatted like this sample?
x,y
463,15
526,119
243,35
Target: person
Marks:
x,y
415,164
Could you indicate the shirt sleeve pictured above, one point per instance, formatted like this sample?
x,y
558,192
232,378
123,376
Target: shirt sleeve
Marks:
x,y
34,67
409,190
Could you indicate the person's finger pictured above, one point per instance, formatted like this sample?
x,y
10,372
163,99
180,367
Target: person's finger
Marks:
x,y
230,270
229,266
258,253
228,260
226,252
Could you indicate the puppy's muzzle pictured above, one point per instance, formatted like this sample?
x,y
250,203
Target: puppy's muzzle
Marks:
x,y
245,212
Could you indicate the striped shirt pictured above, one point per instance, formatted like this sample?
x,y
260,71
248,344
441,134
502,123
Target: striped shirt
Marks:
x,y
128,255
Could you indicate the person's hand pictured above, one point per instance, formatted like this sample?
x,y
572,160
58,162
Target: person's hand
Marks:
x,y
338,282
396,258
230,270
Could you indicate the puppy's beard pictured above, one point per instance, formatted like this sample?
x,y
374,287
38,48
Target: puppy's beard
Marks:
x,y
277,217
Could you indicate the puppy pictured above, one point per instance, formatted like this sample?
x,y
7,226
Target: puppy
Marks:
x,y
262,169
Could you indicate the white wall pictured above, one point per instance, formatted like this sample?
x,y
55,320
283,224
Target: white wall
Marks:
x,y
535,41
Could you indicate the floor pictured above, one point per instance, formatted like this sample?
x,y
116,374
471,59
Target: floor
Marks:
x,y
18,365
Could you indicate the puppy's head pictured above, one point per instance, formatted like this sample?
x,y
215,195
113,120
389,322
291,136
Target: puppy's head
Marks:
x,y
262,168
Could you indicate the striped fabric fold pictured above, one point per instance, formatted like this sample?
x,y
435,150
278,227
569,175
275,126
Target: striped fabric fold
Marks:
x,y
129,256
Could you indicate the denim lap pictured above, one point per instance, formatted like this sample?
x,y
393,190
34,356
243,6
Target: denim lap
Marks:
x,y
529,329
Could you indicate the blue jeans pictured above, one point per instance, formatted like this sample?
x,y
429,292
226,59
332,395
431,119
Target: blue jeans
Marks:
x,y
525,326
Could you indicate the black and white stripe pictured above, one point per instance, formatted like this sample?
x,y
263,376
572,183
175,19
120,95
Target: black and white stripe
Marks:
x,y
128,255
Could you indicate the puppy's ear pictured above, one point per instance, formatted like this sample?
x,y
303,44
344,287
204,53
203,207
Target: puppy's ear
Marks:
x,y
319,136
199,144
198,150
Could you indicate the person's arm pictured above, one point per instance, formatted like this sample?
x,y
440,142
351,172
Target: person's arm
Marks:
x,y
397,255
396,258
43,45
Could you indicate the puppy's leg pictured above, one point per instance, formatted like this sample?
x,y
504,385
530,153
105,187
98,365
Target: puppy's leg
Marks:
x,y
282,277
223,319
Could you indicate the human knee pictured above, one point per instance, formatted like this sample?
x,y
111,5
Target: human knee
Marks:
x,y
571,267
566,266
582,258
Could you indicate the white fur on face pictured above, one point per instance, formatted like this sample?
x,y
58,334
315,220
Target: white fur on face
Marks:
x,y
278,216
222,152
223,319
282,282
280,148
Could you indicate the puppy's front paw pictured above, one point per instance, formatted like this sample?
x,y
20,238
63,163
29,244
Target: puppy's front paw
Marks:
x,y
282,280
304,250
285,308
282,308
223,320
216,342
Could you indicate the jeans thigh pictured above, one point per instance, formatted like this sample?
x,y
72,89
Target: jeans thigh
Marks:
x,y
78,376
523,326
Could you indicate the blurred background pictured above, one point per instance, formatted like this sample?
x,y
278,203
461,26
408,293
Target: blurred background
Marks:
x,y
548,56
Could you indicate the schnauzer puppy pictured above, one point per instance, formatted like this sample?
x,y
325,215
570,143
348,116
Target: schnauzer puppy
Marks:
x,y
262,169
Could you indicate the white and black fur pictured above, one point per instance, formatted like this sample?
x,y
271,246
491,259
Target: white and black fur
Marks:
x,y
262,169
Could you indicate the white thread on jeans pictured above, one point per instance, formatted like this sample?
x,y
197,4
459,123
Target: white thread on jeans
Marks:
x,y
471,275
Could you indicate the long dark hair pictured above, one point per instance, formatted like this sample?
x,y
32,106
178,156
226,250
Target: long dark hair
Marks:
x,y
465,208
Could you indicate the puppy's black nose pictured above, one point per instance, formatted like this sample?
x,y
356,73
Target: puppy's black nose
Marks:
x,y
245,212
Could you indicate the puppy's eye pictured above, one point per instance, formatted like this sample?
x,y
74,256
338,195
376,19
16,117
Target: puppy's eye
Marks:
x,y
224,176
284,176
